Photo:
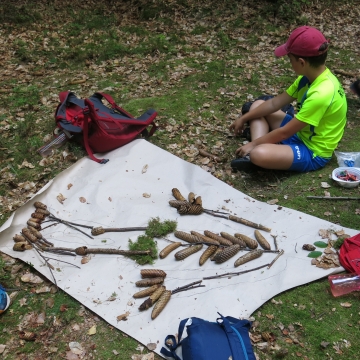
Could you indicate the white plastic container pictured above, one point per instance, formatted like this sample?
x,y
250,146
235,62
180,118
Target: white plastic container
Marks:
x,y
347,183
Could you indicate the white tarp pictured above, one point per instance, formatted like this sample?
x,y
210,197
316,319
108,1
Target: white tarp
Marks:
x,y
114,198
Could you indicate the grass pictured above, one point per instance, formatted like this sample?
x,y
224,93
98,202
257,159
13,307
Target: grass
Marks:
x,y
196,65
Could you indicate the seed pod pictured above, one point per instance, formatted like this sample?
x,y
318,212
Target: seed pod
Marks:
x,y
146,292
309,247
177,194
40,205
151,273
251,255
38,215
207,253
35,220
161,303
187,237
250,243
27,335
168,249
227,253
177,203
97,230
28,235
218,250
191,197
19,238
33,224
152,299
35,232
218,238
190,209
233,239
42,211
182,254
20,246
149,282
205,238
261,240
198,201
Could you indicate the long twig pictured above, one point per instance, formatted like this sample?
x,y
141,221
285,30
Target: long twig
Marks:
x,y
67,223
64,262
185,287
235,273
100,230
272,263
333,197
47,263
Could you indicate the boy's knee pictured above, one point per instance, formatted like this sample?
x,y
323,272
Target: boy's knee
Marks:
x,y
258,155
256,103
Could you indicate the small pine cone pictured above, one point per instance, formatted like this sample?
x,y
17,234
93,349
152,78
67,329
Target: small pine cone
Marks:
x,y
97,231
250,243
177,203
183,254
28,235
149,282
309,247
261,240
35,232
186,237
42,211
19,238
38,215
168,249
35,220
251,255
27,335
40,205
151,273
20,246
206,254
227,253
191,197
161,303
198,201
33,224
218,238
233,239
177,194
204,238
190,209
146,292
218,250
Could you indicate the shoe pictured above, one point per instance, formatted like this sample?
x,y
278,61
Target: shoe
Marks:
x,y
4,300
243,164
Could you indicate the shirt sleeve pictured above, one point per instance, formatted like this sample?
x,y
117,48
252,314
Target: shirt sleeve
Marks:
x,y
292,90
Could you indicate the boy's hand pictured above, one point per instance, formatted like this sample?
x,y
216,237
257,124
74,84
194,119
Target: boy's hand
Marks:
x,y
244,150
237,126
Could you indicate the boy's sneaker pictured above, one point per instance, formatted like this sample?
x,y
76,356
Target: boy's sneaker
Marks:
x,y
4,300
243,164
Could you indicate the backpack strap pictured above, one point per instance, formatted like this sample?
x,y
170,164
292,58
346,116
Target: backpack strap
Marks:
x,y
86,140
113,104
172,344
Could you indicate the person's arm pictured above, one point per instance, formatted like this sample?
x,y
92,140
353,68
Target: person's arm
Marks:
x,y
268,107
273,137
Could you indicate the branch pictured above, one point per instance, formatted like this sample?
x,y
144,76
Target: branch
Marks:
x,y
234,273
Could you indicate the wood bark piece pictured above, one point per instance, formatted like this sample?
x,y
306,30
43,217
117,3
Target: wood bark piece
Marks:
x,y
249,223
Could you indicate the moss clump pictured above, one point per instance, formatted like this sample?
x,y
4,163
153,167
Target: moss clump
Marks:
x,y
144,242
156,228
337,244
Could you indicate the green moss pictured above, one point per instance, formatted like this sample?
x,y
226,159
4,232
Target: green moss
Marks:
x,y
156,228
144,242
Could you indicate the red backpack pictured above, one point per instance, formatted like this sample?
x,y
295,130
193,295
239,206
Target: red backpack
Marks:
x,y
350,254
97,127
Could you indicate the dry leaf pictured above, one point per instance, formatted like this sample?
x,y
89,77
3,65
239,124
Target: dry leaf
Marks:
x,y
146,195
140,348
357,211
43,289
325,185
69,186
327,213
123,316
2,348
85,259
61,198
71,356
82,199
92,330
31,278
22,302
327,194
144,169
272,202
75,348
41,318
110,199
151,346
346,304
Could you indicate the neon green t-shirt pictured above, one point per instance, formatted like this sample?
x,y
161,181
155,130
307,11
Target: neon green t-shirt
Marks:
x,y
323,106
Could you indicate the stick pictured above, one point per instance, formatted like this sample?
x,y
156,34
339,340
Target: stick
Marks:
x,y
346,73
69,222
249,223
207,154
235,273
64,262
272,263
275,242
100,230
189,288
181,288
71,226
47,263
333,197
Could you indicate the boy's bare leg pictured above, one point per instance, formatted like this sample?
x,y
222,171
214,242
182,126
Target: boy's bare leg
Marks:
x,y
272,156
260,127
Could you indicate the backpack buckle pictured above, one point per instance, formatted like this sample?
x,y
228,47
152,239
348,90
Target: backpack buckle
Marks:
x,y
86,111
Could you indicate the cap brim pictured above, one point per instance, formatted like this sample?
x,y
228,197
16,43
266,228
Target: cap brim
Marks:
x,y
281,51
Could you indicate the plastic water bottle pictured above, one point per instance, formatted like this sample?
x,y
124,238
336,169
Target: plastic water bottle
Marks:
x,y
344,283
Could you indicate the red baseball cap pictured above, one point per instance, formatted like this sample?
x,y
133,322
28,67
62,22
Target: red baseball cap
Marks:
x,y
303,41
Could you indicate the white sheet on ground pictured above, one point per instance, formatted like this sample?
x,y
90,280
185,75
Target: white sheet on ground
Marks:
x,y
114,198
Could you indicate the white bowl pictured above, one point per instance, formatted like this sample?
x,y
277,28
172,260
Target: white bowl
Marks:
x,y
345,183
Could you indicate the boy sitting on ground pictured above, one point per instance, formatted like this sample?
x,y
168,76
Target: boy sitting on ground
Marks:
x,y
306,141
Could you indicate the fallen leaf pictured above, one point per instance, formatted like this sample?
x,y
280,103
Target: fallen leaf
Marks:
x,y
63,307
151,346
31,278
325,185
115,352
327,213
69,186
82,199
327,194
123,316
22,302
270,316
92,330
2,348
85,259
346,304
357,211
272,202
41,318
110,199
75,348
144,169
324,344
61,198
75,327
43,289
140,348
71,356
146,195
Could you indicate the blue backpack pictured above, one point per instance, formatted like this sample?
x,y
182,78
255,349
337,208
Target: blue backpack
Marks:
x,y
227,338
